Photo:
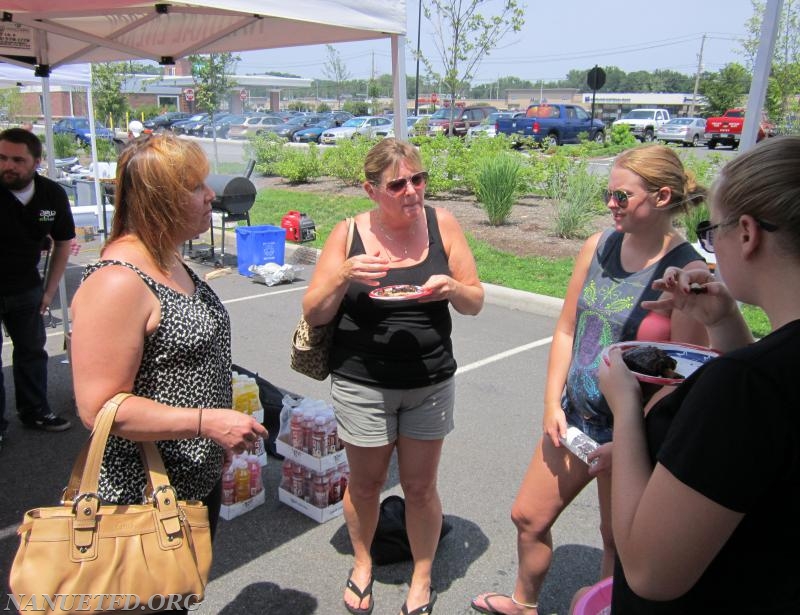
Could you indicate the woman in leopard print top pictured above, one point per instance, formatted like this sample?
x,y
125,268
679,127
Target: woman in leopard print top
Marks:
x,y
144,323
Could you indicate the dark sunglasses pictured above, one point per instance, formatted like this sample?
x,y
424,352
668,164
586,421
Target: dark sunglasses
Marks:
x,y
620,197
705,231
396,186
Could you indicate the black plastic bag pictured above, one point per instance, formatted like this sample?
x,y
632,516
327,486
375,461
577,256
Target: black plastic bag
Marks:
x,y
390,544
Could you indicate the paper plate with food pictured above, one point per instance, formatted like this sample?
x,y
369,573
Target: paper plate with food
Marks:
x,y
662,363
399,292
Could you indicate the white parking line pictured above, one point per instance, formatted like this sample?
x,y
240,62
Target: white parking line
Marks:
x,y
503,355
275,292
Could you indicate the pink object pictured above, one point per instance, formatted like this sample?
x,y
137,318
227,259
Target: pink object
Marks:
x,y
597,601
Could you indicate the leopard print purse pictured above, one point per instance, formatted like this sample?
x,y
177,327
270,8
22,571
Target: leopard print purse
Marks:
x,y
311,345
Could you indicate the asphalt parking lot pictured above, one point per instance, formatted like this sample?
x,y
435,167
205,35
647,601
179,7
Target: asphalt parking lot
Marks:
x,y
274,560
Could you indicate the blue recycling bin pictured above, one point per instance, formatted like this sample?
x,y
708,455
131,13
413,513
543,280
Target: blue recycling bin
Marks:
x,y
257,245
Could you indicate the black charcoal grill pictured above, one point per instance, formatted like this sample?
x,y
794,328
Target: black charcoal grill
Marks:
x,y
235,196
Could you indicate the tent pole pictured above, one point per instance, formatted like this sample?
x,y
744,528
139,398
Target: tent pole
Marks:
x,y
399,86
52,172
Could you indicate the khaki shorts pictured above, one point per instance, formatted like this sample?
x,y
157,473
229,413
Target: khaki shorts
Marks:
x,y
372,416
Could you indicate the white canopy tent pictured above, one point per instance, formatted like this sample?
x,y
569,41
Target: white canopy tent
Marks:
x,y
50,33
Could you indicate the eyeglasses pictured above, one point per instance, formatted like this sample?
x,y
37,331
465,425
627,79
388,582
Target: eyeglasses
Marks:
x,y
705,231
620,197
397,186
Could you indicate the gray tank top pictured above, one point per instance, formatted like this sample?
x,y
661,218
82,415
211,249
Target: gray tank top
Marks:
x,y
609,311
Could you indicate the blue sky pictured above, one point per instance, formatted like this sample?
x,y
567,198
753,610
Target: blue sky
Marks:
x,y
556,37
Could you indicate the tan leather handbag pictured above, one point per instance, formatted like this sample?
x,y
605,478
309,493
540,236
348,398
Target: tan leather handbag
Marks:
x,y
311,345
87,556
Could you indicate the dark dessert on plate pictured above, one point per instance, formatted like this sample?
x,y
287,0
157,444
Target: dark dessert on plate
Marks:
x,y
650,361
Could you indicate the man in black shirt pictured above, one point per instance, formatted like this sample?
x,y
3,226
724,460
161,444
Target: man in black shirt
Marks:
x,y
33,211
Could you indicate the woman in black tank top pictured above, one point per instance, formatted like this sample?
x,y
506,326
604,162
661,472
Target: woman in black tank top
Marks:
x,y
390,289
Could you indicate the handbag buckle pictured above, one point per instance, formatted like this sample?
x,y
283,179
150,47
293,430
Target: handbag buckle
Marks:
x,y
83,496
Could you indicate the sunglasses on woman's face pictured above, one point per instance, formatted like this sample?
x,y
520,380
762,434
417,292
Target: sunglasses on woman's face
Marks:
x,y
397,186
620,197
705,231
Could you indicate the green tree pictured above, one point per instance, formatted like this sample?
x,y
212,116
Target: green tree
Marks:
x,y
725,89
211,74
11,102
335,70
463,37
109,101
784,79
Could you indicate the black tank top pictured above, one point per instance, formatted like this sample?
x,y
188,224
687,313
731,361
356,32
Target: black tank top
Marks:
x,y
396,345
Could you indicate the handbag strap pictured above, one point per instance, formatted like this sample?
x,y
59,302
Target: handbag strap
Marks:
x,y
351,225
86,469
102,427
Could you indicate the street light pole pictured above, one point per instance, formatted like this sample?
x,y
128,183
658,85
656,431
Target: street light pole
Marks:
x,y
416,79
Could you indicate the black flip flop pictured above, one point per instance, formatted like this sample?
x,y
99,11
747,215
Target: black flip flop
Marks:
x,y
361,593
425,609
489,610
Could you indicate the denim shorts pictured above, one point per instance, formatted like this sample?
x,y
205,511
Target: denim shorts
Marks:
x,y
598,427
368,416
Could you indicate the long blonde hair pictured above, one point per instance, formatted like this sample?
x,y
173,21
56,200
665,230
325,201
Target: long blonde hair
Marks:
x,y
155,178
659,167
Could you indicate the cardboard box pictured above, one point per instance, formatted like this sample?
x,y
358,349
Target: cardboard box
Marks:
x,y
320,515
318,464
239,508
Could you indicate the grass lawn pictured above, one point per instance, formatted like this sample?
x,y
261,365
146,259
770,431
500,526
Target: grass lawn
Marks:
x,y
533,274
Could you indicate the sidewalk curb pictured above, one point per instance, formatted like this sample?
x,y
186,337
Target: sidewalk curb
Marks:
x,y
510,298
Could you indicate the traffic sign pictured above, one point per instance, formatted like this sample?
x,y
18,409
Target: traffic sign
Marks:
x,y
188,94
596,78
243,94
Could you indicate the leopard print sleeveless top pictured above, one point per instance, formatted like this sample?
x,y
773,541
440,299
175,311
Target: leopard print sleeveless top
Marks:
x,y
186,362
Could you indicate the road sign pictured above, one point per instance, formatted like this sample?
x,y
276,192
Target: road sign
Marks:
x,y
188,93
243,94
596,78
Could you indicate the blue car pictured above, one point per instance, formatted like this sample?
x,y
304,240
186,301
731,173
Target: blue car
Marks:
x,y
78,127
312,133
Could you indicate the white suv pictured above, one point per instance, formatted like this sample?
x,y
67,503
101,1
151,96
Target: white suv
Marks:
x,y
644,123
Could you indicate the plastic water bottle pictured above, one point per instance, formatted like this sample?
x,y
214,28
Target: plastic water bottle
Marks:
x,y
319,437
296,429
308,430
286,475
298,481
331,428
228,485
320,491
254,471
335,492
241,479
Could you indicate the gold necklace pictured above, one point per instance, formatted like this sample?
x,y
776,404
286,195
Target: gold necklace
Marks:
x,y
411,236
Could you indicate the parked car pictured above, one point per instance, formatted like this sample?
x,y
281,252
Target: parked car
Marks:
x,y
197,128
488,127
683,130
182,127
388,131
340,117
366,125
165,121
644,123
78,127
222,125
553,124
463,119
253,125
298,122
312,133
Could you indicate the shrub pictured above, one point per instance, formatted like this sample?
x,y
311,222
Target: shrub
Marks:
x,y
445,159
556,169
267,150
621,136
65,145
106,150
497,186
346,161
575,209
300,165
